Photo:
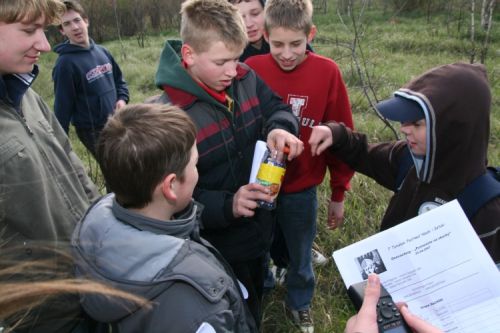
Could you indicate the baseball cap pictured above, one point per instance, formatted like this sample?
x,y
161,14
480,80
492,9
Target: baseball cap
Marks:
x,y
400,109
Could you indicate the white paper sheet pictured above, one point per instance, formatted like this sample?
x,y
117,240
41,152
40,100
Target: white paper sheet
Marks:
x,y
258,154
436,264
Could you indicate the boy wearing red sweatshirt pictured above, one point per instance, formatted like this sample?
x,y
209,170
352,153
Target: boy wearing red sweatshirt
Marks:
x,y
314,88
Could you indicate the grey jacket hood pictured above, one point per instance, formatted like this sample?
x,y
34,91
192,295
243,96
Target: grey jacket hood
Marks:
x,y
138,255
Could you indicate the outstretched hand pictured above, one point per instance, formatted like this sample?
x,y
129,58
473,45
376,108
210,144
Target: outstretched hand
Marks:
x,y
321,138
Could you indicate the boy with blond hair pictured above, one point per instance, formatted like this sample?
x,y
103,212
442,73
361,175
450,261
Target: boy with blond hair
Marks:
x,y
144,237
314,88
232,109
45,189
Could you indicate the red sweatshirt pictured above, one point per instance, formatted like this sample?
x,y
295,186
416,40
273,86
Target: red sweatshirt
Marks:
x,y
317,94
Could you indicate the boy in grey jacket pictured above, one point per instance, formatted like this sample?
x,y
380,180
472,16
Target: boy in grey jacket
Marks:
x,y
144,237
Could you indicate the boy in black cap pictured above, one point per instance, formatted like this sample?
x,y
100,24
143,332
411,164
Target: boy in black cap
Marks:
x,y
444,115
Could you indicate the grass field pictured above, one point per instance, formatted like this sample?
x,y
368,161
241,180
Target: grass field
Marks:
x,y
395,49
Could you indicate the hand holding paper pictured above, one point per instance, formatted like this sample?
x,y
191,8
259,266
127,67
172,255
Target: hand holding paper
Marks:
x,y
436,263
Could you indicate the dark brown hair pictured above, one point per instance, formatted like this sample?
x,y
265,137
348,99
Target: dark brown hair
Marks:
x,y
140,145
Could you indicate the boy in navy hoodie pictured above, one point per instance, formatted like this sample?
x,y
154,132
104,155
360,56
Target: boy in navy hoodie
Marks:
x,y
88,83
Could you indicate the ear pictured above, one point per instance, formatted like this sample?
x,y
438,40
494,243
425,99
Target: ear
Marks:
x,y
86,20
168,187
62,31
266,36
187,53
312,34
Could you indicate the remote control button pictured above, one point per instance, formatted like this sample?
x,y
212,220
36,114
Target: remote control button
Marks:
x,y
386,313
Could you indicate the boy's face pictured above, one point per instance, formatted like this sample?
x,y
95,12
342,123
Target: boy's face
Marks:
x,y
186,186
215,67
253,15
288,47
416,136
75,28
20,45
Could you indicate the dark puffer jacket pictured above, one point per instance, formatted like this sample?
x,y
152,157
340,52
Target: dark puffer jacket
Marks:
x,y
225,141
456,101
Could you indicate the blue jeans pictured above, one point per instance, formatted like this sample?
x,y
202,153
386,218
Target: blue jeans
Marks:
x,y
296,214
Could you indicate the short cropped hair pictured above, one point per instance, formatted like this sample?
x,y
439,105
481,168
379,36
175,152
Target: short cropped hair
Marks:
x,y
12,11
235,2
75,6
289,14
140,145
204,22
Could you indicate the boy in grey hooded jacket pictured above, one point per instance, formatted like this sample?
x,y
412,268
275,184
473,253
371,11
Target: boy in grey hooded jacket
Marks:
x,y
144,238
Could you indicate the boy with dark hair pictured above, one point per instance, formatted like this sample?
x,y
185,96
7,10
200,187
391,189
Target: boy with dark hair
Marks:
x,y
314,88
44,189
144,237
444,115
88,83
252,12
232,109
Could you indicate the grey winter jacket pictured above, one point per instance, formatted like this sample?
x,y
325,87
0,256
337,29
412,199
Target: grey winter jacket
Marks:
x,y
184,277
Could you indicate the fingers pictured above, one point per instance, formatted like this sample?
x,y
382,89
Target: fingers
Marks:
x,y
245,199
277,139
416,323
366,319
320,139
372,294
335,215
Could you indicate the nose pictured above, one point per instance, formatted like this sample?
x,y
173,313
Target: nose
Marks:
x,y
248,21
287,53
231,68
42,44
405,128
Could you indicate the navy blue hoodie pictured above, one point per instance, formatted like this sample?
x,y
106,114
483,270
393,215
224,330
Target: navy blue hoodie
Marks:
x,y
87,84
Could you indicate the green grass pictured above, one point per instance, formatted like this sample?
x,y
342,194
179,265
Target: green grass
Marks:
x,y
395,49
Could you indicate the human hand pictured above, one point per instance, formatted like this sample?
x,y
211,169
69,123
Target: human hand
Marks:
x,y
245,199
320,139
277,139
335,215
366,319
417,324
119,104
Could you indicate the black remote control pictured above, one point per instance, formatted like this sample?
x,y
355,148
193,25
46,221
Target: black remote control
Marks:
x,y
389,319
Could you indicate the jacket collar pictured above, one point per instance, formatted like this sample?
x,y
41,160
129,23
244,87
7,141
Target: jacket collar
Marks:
x,y
14,86
185,225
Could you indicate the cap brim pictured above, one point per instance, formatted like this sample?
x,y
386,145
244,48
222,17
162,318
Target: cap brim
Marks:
x,y
400,109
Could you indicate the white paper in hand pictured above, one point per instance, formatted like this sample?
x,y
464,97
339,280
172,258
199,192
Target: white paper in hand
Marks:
x,y
258,154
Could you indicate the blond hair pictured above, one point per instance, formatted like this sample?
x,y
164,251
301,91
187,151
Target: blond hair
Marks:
x,y
26,285
204,22
289,14
31,10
